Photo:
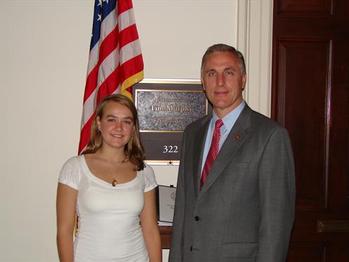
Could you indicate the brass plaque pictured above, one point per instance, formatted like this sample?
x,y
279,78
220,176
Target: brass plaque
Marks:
x,y
164,110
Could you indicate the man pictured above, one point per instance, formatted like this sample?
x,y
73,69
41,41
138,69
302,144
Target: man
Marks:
x,y
236,189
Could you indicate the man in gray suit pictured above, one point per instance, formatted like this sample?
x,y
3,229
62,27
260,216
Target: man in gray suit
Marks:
x,y
236,185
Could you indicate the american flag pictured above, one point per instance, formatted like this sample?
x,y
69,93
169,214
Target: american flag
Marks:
x,y
115,59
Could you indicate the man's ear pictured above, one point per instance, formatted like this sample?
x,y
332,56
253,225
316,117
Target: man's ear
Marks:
x,y
243,82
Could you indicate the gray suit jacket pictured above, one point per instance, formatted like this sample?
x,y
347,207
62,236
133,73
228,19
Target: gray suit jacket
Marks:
x,y
245,210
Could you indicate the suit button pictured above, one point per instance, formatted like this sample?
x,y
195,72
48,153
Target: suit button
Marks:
x,y
191,248
197,218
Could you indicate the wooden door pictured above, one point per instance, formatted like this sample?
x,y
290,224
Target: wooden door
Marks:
x,y
310,98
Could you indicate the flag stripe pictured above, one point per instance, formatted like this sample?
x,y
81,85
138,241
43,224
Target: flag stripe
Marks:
x,y
124,6
126,19
131,67
108,86
128,35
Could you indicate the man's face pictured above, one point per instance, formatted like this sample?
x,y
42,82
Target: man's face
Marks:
x,y
223,82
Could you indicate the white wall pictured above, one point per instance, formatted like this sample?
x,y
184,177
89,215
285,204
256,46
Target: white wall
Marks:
x,y
44,51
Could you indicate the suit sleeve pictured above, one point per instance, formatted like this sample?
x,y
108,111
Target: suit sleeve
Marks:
x,y
176,251
277,197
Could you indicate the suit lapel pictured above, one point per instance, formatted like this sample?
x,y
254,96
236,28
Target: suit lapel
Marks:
x,y
199,144
233,142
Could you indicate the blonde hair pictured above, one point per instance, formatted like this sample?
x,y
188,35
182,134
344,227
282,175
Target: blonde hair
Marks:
x,y
134,150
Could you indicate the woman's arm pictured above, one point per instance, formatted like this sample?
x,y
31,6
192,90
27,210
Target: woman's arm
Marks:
x,y
150,227
65,208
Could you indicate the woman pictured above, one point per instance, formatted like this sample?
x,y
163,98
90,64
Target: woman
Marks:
x,y
111,191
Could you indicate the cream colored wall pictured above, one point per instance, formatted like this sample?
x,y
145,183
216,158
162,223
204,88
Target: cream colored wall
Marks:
x,y
44,49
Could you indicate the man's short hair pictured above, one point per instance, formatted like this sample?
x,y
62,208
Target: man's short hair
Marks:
x,y
224,48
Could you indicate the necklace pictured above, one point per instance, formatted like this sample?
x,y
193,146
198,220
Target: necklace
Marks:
x,y
114,182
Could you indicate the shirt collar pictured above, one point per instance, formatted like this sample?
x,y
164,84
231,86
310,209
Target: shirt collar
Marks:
x,y
230,119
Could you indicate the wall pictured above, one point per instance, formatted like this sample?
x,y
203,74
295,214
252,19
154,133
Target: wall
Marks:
x,y
44,50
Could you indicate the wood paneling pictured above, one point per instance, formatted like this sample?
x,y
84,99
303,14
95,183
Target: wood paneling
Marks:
x,y
165,232
308,7
305,120
339,132
306,251
310,97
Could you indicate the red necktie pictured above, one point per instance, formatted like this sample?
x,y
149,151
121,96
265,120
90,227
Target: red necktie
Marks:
x,y
212,154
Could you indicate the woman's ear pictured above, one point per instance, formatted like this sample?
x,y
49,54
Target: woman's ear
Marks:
x,y
98,121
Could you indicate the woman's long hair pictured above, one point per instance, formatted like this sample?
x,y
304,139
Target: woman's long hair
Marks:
x,y
134,150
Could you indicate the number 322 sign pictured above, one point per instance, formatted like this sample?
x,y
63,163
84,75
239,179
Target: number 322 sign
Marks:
x,y
170,149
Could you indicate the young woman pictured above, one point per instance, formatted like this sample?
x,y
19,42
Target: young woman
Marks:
x,y
110,190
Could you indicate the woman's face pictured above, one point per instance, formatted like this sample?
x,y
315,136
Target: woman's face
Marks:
x,y
116,125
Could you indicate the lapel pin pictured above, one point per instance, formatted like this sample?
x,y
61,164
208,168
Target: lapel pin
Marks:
x,y
237,136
